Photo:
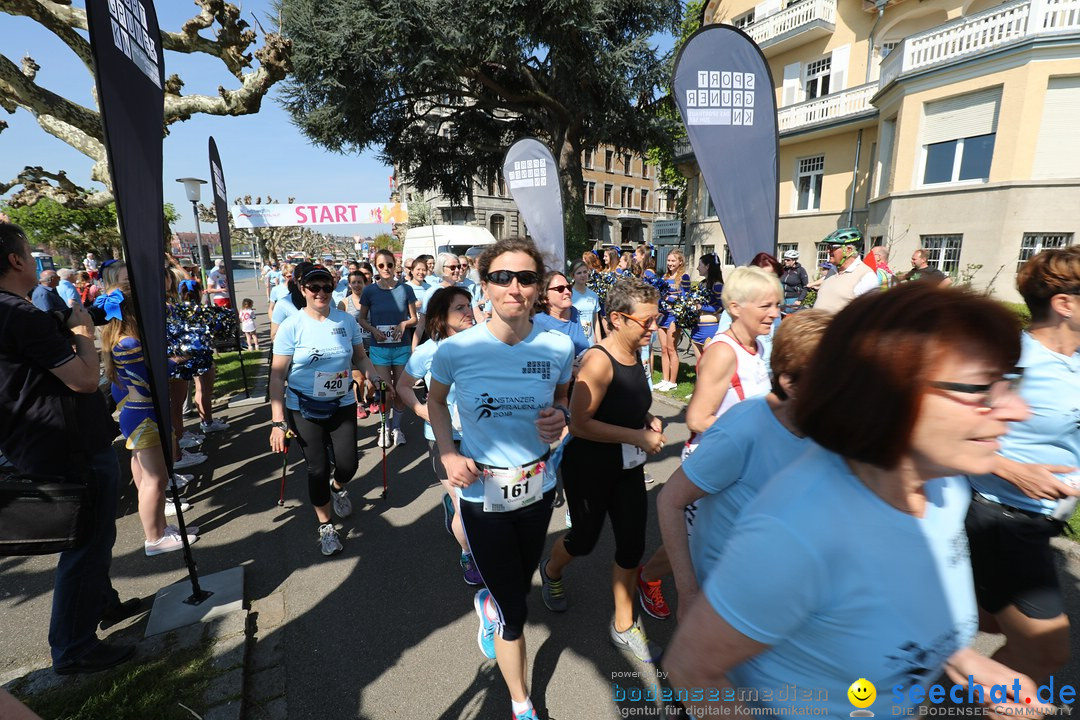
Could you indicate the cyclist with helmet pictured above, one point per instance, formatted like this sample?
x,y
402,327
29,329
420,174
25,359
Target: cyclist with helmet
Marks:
x,y
853,277
794,279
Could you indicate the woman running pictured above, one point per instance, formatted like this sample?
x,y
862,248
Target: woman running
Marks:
x,y
713,280
126,369
555,311
511,380
603,462
387,311
351,305
585,301
678,283
449,312
315,351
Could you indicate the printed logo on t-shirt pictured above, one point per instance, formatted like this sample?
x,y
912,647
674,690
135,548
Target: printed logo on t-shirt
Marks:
x,y
338,331
538,367
488,406
920,663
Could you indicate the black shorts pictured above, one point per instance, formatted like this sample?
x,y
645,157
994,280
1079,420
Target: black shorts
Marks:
x,y
1012,561
436,459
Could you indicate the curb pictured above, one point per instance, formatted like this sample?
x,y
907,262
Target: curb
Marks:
x,y
669,401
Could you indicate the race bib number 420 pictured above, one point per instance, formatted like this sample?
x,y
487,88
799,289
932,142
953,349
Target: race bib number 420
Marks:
x,y
331,384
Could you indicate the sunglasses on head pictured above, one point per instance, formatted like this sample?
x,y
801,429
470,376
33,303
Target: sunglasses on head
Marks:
x,y
318,287
505,277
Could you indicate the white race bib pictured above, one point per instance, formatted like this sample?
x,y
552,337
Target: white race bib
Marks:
x,y
632,456
506,490
331,384
390,331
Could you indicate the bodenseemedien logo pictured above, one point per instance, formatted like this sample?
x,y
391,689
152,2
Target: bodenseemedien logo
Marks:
x,y
862,694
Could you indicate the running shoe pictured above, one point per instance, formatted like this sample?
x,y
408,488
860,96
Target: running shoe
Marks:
x,y
342,503
383,439
485,636
190,440
361,412
189,459
652,597
170,508
552,591
181,480
471,574
569,523
373,408
448,513
168,542
635,640
649,480
399,436
529,714
328,539
213,426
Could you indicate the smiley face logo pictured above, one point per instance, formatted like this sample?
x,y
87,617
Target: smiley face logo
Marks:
x,y
862,693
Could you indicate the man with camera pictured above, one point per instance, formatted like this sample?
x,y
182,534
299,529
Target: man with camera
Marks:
x,y
49,402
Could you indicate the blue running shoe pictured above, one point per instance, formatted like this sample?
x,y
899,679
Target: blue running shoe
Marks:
x,y
485,636
448,512
529,714
468,568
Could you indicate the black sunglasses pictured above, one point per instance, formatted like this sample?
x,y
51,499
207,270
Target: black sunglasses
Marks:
x,y
505,277
320,288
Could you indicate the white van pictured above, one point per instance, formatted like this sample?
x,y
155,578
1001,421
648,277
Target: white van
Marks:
x,y
434,239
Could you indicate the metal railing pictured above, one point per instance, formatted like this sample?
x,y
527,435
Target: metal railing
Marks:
x,y
791,18
834,106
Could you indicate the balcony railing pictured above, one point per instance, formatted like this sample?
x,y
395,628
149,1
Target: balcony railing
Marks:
x,y
682,151
829,108
594,209
769,30
629,214
980,33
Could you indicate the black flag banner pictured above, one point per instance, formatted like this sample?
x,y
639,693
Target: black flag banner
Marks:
x,y
130,73
221,210
724,91
533,178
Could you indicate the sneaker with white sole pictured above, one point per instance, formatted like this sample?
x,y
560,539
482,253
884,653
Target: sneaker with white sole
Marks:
x,y
552,592
328,540
635,640
191,440
213,426
342,503
181,480
189,459
398,436
485,635
168,542
170,508
383,439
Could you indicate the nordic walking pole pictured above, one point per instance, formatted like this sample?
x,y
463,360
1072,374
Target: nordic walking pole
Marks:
x,y
284,465
382,434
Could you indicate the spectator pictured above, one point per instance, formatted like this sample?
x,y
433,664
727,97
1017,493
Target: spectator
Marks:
x,y
65,288
922,270
852,279
86,288
44,296
886,278
90,264
44,376
217,285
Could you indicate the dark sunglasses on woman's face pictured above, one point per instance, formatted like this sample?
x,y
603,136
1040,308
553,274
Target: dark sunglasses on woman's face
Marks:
x,y
384,266
505,277
320,288
559,288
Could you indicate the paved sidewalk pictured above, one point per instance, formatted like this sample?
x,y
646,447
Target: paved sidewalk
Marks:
x,y
386,629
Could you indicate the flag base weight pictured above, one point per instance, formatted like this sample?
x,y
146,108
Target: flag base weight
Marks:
x,y
174,607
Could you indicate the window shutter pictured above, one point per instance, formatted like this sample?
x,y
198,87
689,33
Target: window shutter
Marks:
x,y
841,56
1057,154
792,80
962,116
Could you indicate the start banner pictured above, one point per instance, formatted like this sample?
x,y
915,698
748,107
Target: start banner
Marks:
x,y
287,215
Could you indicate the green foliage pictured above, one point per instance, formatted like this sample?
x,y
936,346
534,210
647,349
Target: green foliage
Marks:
x,y
419,214
387,241
443,88
1021,311
51,225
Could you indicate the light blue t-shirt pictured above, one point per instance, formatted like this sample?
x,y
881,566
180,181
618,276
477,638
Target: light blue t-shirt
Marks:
x,y
273,278
430,293
500,391
279,291
1051,436
842,585
419,366
587,305
341,290
738,454
388,307
68,291
283,309
316,346
571,328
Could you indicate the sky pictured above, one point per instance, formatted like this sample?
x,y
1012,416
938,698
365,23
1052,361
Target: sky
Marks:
x,y
262,154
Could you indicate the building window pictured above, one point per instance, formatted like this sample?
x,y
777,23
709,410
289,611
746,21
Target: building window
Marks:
x,y
822,256
609,190
590,193
1035,243
888,47
498,224
817,78
626,197
963,159
588,161
626,161
808,182
782,248
728,260
710,209
644,169
943,251
644,204
744,20
609,161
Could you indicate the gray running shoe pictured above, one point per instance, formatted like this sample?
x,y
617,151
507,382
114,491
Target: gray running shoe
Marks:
x,y
552,592
342,503
635,640
328,539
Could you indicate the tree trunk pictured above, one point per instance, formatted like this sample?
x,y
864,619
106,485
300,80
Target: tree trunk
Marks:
x,y
568,155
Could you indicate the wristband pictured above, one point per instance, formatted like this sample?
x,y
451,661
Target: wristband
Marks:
x,y
564,411
283,426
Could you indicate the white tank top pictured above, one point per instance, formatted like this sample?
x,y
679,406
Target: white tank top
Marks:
x,y
751,379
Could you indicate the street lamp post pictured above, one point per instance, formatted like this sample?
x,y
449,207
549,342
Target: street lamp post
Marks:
x,y
192,187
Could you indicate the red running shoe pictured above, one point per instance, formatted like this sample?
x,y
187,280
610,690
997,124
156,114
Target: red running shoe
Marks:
x,y
652,598
361,412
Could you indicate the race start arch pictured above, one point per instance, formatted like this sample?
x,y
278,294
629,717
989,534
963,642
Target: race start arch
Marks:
x,y
309,214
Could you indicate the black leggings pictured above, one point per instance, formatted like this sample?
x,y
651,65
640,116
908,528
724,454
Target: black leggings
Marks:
x,y
594,490
316,439
506,549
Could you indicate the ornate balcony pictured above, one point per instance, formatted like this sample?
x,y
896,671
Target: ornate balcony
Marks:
x,y
845,104
1002,26
794,25
594,209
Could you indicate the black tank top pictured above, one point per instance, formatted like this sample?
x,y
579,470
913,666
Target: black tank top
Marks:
x,y
626,404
